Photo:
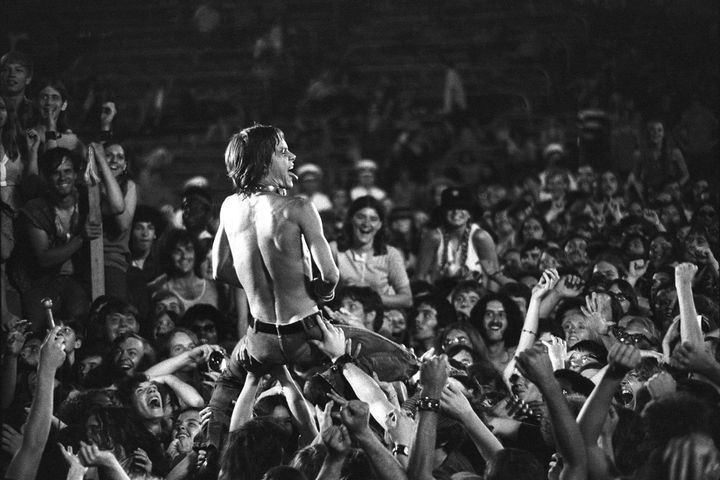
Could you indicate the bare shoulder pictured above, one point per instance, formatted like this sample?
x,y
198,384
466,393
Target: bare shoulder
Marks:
x,y
433,235
482,235
299,209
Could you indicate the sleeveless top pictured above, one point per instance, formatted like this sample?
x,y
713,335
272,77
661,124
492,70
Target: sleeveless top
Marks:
x,y
449,262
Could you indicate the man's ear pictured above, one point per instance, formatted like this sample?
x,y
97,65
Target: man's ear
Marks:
x,y
78,343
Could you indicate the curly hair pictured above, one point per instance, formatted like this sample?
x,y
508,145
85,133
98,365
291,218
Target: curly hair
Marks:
x,y
514,317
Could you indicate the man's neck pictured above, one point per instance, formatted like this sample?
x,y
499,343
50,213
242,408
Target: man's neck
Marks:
x,y
456,232
66,202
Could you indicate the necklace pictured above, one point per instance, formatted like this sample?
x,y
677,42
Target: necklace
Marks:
x,y
270,189
462,250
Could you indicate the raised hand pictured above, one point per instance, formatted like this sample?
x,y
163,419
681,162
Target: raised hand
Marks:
x,y
661,384
672,333
692,358
141,461
201,353
354,414
454,403
16,335
569,286
548,281
652,216
557,351
77,469
621,359
32,140
638,268
684,273
534,364
593,311
52,351
333,342
91,456
335,437
433,376
11,440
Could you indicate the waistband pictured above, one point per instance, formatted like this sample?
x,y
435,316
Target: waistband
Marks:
x,y
298,326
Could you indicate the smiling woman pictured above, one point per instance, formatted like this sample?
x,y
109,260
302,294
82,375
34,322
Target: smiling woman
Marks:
x,y
365,259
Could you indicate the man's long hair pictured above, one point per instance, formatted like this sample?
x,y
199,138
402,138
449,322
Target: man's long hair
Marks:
x,y
249,154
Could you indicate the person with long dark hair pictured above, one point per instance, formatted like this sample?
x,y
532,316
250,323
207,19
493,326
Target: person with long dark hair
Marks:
x,y
365,259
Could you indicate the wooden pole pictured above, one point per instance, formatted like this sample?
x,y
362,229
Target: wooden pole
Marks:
x,y
97,259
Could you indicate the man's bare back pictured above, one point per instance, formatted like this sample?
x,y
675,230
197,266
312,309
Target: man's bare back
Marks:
x,y
264,233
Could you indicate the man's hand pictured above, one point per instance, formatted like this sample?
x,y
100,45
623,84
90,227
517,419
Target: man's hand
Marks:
x,y
593,311
333,342
11,440
16,336
661,384
621,359
557,351
91,230
32,140
77,469
454,403
141,461
91,456
344,317
637,268
335,437
433,376
534,364
52,351
692,358
201,353
684,273
549,279
354,414
569,286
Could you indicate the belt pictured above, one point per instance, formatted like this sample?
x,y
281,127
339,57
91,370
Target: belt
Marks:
x,y
296,327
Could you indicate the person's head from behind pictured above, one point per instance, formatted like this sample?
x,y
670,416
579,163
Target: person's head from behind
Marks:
x,y
258,156
61,168
16,72
205,321
275,408
252,450
363,303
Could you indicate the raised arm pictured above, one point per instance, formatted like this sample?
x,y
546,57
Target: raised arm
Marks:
x,y
534,364
622,358
169,366
456,405
486,250
433,377
690,329
426,256
242,411
298,407
24,465
185,392
529,331
113,192
311,226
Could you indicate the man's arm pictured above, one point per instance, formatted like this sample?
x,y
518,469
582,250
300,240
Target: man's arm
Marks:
x,y
222,260
46,255
310,224
24,464
690,329
426,256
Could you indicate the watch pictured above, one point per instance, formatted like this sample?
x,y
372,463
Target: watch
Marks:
x,y
427,403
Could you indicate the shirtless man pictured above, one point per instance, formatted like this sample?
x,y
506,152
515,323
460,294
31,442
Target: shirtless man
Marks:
x,y
263,244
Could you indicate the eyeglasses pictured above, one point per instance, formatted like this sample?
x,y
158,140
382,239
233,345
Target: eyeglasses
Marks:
x,y
629,338
449,342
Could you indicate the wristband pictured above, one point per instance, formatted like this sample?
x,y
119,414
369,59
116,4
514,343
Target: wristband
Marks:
x,y
401,450
430,404
529,331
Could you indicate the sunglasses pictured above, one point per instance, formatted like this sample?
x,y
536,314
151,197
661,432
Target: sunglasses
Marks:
x,y
629,338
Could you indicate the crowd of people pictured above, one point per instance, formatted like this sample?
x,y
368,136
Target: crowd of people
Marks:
x,y
564,324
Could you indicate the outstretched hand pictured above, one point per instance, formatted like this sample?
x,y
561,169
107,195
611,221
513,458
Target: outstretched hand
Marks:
x,y
621,359
569,286
534,364
684,273
593,311
548,281
333,341
335,437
